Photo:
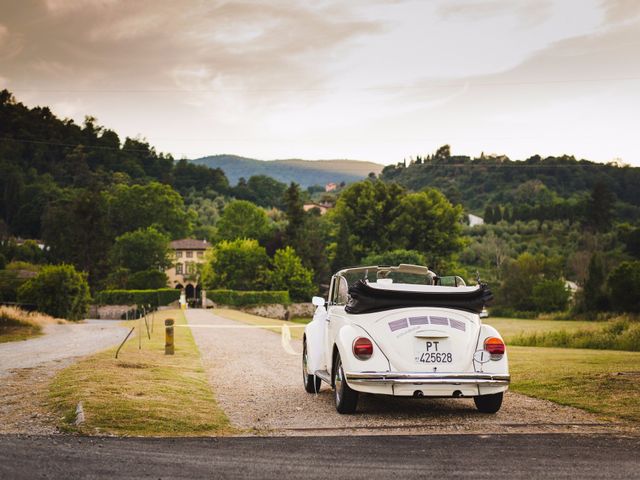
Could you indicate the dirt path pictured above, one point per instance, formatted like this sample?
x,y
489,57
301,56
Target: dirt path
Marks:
x,y
27,368
259,385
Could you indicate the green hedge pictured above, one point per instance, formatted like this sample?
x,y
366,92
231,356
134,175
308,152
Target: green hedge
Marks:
x,y
240,298
155,298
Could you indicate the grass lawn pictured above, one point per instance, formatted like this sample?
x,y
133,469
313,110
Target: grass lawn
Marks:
x,y
143,392
587,379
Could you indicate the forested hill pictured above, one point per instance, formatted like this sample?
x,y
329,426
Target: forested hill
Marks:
x,y
304,172
536,188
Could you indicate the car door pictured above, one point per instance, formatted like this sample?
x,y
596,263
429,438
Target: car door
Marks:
x,y
338,297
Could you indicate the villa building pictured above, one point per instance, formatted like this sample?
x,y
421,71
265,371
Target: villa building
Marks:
x,y
185,274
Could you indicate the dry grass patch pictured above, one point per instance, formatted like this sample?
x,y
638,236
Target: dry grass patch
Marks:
x,y
144,392
17,324
511,328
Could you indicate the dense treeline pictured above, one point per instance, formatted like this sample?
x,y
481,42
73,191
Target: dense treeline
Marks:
x,y
108,208
552,188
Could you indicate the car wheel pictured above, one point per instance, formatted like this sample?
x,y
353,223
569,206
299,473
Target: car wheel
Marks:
x,y
346,398
489,403
311,382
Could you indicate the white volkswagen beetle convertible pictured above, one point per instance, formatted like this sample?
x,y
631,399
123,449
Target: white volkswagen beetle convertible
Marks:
x,y
404,331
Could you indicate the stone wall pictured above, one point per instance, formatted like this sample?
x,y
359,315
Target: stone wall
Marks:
x,y
281,312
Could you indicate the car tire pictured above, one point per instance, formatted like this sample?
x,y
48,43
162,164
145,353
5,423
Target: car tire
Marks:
x,y
489,403
311,382
346,398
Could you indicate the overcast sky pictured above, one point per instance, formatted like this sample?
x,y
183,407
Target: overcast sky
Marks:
x,y
372,80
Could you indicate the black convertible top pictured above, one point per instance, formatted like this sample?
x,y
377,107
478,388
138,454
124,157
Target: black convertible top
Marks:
x,y
366,299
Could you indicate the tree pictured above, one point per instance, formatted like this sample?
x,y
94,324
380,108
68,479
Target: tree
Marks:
x,y
428,223
76,230
624,285
593,297
262,190
141,250
488,215
294,212
443,152
395,257
344,256
599,207
30,252
289,274
520,277
238,265
58,290
243,219
369,208
140,206
550,295
146,280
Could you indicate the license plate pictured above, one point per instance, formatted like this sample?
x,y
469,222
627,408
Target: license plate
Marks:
x,y
432,351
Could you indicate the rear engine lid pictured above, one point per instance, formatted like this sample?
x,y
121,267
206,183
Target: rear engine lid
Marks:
x,y
424,339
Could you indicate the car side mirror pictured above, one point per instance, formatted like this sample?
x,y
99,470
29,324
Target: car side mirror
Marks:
x,y
318,301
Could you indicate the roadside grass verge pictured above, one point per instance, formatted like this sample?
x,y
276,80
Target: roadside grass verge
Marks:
x,y
511,328
144,392
271,324
620,334
17,324
600,381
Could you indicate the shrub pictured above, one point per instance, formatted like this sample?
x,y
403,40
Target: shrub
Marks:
x,y
155,298
58,290
248,298
14,275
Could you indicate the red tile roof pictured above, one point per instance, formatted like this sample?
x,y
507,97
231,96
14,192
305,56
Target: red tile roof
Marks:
x,y
190,244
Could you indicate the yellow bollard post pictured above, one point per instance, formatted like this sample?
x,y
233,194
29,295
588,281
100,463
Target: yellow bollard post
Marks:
x,y
168,337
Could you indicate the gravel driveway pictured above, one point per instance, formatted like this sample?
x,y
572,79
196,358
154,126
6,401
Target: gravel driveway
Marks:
x,y
27,367
60,342
259,385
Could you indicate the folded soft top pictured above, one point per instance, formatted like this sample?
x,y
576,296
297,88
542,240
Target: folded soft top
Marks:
x,y
366,299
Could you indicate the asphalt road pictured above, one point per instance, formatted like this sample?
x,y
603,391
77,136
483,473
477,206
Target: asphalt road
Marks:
x,y
353,457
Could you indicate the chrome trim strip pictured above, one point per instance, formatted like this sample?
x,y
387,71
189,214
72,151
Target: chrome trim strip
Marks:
x,y
426,378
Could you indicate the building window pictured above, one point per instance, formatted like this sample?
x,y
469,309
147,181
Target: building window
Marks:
x,y
200,254
190,268
178,254
189,254
178,269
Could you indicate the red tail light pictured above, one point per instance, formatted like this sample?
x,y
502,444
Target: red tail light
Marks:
x,y
362,348
495,347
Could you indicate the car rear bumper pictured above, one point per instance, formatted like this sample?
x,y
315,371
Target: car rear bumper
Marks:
x,y
426,378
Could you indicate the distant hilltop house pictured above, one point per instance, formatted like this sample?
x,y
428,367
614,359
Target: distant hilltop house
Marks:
x,y
475,220
323,207
330,187
188,253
